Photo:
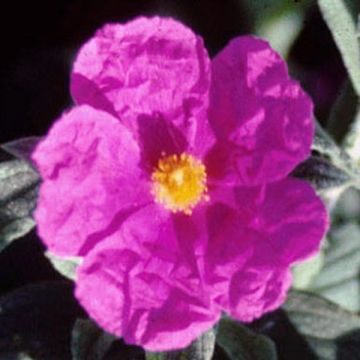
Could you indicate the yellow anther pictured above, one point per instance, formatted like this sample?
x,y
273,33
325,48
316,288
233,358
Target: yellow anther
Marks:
x,y
179,182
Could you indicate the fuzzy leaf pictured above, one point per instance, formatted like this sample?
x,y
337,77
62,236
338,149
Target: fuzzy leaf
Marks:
x,y
22,148
305,272
343,112
338,280
352,140
340,16
19,356
241,343
277,21
201,349
326,327
18,192
36,321
348,207
89,342
65,266
330,169
325,147
322,173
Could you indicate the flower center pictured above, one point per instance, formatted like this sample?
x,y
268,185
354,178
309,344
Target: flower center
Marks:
x,y
179,182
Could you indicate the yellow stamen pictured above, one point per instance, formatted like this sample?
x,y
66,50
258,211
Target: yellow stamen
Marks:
x,y
179,182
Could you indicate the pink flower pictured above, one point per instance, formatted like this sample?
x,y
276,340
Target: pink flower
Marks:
x,y
170,178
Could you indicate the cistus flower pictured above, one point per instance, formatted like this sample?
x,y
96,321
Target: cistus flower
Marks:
x,y
170,178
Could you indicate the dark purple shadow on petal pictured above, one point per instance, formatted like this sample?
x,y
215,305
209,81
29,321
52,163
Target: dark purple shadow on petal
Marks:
x,y
187,233
133,259
127,260
220,163
190,107
85,91
174,315
222,220
216,213
202,85
114,225
158,137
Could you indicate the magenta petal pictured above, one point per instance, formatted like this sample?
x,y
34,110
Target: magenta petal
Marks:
x,y
230,246
156,136
255,234
136,289
145,90
88,163
255,291
260,111
148,66
288,216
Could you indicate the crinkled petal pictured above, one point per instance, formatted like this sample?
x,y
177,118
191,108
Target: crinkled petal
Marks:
x,y
136,288
263,117
255,234
89,163
289,218
255,291
148,66
230,244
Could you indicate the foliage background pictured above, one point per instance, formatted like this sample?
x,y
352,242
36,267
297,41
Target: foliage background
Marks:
x,y
41,38
37,309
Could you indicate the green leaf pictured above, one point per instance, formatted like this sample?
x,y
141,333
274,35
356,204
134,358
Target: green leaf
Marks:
x,y
241,343
352,140
66,266
282,30
343,112
339,279
277,21
340,16
22,148
323,174
201,349
348,207
89,342
330,169
18,192
305,272
36,321
325,326
20,356
325,147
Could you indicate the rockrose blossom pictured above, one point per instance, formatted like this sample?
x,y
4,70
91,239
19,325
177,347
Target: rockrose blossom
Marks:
x,y
170,177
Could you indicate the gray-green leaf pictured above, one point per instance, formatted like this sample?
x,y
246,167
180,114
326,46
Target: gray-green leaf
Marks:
x,y
326,148
340,16
305,272
277,21
343,112
36,321
330,169
348,207
20,356
339,278
89,342
201,349
18,192
65,266
322,323
241,343
352,140
323,174
22,148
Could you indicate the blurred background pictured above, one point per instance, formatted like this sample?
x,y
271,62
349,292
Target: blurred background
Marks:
x,y
40,40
